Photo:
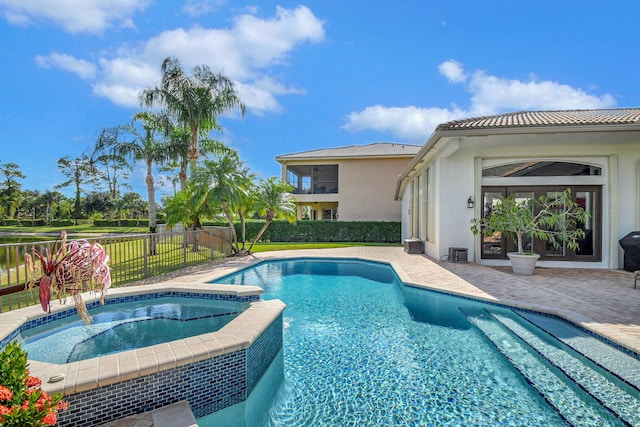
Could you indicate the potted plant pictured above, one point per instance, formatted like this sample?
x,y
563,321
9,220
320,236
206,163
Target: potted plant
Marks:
x,y
69,268
554,219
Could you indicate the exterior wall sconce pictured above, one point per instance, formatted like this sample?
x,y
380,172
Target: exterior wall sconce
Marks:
x,y
470,203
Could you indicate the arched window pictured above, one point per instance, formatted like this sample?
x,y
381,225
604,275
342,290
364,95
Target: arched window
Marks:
x,y
540,168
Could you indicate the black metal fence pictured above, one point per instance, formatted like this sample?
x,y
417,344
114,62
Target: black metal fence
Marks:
x,y
132,257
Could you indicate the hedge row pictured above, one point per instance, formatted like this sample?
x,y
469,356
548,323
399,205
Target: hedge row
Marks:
x,y
278,231
12,222
140,222
323,231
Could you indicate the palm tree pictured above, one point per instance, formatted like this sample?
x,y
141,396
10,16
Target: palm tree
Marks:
x,y
275,200
49,198
180,137
247,203
222,183
143,146
195,101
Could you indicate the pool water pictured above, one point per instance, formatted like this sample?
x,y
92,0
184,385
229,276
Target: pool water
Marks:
x,y
362,349
126,326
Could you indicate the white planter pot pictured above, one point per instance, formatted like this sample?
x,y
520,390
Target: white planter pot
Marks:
x,y
523,264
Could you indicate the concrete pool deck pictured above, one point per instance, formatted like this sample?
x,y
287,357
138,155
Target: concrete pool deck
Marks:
x,y
603,301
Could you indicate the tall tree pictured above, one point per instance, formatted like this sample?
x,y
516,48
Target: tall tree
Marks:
x,y
114,169
180,137
195,101
10,191
80,171
248,200
222,183
50,199
29,205
144,141
275,200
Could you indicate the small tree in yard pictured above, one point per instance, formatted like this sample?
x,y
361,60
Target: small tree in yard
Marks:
x,y
274,200
555,219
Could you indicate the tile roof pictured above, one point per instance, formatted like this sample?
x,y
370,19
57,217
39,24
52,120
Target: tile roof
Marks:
x,y
617,116
377,149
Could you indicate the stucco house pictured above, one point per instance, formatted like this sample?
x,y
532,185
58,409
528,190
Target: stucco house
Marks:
x,y
354,183
465,165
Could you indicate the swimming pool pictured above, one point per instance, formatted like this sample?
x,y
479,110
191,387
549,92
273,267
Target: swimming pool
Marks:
x,y
361,348
126,326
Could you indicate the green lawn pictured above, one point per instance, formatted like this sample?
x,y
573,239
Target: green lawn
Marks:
x,y
73,229
264,247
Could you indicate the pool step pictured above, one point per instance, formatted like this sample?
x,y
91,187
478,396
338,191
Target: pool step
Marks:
x,y
613,360
573,404
612,393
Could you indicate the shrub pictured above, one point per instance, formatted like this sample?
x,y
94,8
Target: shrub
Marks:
x,y
323,231
22,402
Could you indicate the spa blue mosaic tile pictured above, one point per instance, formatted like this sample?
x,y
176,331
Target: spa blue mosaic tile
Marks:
x,y
262,352
208,385
71,311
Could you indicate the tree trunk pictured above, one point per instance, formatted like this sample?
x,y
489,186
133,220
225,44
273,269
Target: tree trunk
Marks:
x,y
234,236
184,163
193,152
151,193
269,218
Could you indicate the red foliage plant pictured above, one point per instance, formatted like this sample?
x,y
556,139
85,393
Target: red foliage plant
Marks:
x,y
72,268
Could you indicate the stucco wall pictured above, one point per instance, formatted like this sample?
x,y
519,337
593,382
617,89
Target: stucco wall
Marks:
x,y
458,177
367,188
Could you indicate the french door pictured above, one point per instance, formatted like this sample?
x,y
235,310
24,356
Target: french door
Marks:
x,y
589,198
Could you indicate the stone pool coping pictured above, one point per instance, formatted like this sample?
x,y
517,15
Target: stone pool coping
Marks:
x,y
84,375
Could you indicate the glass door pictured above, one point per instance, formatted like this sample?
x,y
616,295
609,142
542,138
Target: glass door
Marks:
x,y
496,245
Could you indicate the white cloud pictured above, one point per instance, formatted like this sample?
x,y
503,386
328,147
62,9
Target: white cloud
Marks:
x,y
492,94
489,95
453,71
407,123
93,16
122,80
260,95
195,8
247,52
84,69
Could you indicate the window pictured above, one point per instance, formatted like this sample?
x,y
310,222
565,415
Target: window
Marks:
x,y
329,214
313,179
541,168
496,246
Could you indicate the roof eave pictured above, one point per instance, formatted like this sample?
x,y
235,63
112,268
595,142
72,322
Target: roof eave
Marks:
x,y
281,159
486,131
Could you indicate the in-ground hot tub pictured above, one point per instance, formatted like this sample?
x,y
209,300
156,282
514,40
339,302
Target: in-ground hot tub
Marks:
x,y
210,370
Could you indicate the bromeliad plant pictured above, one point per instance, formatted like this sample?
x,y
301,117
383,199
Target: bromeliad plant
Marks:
x,y
69,268
22,401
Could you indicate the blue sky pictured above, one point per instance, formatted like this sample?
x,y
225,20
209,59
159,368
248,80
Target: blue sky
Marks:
x,y
312,74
